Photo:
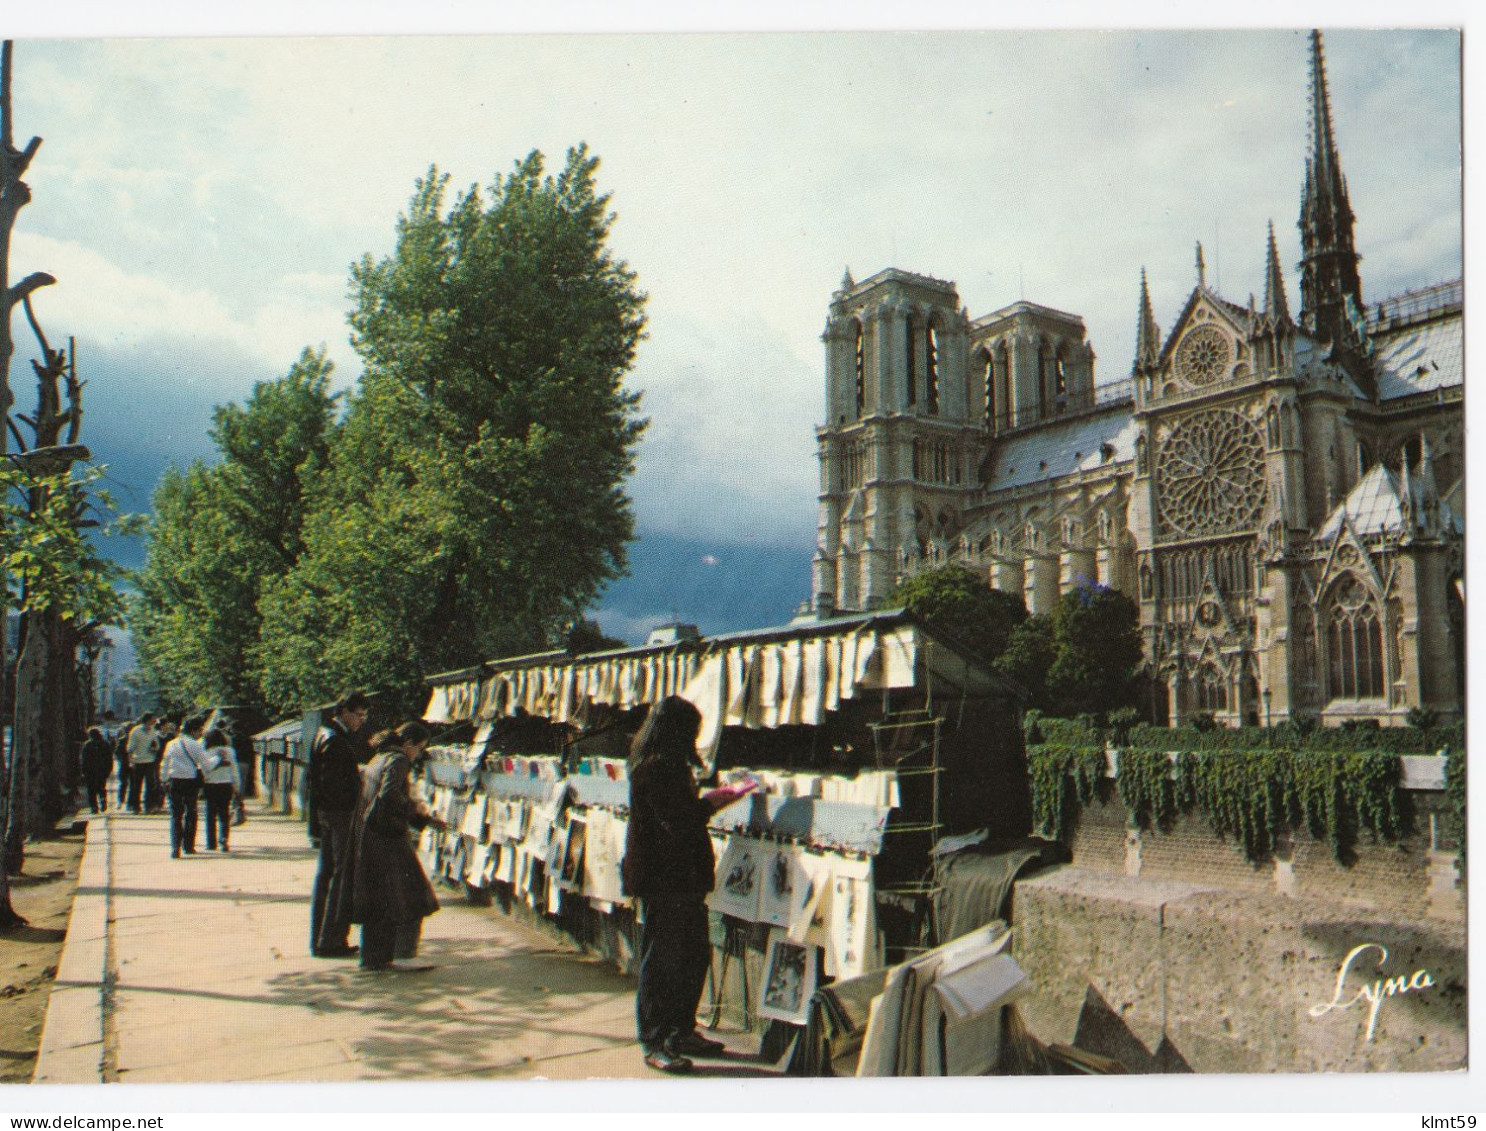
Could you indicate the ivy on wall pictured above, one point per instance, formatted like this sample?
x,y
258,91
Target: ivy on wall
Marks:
x,y
1455,791
1253,796
1063,777
1147,788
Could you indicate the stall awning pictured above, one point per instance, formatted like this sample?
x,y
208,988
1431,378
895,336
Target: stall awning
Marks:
x,y
279,731
793,675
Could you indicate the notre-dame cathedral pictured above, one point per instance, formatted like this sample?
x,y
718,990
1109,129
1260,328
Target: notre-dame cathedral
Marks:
x,y
1281,493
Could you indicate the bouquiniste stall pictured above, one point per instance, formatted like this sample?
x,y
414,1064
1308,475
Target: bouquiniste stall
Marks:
x,y
875,739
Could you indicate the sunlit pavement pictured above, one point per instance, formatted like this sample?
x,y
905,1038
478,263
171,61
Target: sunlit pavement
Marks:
x,y
198,970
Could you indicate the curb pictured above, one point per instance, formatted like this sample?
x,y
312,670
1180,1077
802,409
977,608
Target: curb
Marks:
x,y
73,1034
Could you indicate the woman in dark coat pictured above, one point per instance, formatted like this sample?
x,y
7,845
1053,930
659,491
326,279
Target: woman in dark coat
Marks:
x,y
668,866
390,894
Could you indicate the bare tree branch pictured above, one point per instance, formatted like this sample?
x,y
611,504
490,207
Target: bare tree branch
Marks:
x,y
32,282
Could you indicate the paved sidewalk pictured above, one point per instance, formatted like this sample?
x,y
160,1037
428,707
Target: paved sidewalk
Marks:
x,y
198,970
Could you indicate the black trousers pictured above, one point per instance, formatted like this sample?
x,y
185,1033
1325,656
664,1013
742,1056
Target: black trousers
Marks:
x,y
144,786
218,812
124,779
184,793
330,908
383,941
675,954
98,794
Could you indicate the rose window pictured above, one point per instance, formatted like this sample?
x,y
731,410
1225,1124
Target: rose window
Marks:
x,y
1210,474
1203,356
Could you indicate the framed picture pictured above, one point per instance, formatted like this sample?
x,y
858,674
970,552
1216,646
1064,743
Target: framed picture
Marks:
x,y
789,980
739,879
571,875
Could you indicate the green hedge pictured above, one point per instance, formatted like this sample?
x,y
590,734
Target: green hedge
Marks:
x,y
1389,740
1252,795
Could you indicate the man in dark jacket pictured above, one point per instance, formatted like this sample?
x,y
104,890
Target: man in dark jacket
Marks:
x,y
335,783
97,759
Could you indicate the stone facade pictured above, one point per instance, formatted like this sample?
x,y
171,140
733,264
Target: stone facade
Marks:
x,y
1283,496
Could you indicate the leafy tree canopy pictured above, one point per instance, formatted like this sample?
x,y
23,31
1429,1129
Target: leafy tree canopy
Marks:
x,y
474,501
220,531
957,603
1082,658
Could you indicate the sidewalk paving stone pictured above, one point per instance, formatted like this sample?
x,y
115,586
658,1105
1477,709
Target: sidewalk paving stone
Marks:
x,y
212,980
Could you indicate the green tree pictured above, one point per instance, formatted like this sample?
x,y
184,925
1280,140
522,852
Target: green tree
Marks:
x,y
1082,658
1030,651
219,531
1096,633
474,503
957,603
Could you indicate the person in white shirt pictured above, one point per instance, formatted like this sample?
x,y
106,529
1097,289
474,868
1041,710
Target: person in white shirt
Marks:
x,y
142,756
183,768
221,783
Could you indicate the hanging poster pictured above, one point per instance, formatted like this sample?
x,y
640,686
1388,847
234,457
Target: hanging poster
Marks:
x,y
810,901
853,926
789,980
572,854
781,873
738,880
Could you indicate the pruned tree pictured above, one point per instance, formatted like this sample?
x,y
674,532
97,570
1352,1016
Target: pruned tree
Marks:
x,y
15,194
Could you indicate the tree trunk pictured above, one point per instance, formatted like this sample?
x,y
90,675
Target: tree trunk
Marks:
x,y
26,752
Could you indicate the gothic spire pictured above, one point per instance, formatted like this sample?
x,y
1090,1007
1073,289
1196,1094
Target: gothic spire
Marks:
x,y
1201,267
1276,306
1147,332
1329,259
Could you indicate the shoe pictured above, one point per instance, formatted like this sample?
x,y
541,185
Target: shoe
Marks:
x,y
336,951
663,1060
175,853
190,852
694,1044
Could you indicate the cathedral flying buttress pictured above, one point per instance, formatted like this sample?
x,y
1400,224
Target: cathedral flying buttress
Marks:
x,y
1282,496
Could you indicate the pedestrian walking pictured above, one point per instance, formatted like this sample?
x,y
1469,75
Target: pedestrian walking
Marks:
x,y
184,771
336,757
97,760
154,795
219,786
142,751
390,894
121,761
668,865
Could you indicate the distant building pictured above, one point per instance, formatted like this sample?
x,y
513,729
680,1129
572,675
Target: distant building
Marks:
x,y
1281,493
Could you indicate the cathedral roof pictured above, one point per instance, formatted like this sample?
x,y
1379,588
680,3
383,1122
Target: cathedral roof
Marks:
x,y
1420,343
1375,506
1084,443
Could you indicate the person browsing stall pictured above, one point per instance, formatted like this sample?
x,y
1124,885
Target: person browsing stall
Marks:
x,y
335,784
389,892
668,866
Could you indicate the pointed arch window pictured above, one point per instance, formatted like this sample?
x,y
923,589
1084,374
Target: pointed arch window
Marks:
x,y
1354,642
861,369
931,368
989,364
1212,689
911,355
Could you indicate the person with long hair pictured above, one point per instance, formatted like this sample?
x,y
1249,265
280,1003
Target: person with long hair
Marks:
x,y
389,892
668,867
219,785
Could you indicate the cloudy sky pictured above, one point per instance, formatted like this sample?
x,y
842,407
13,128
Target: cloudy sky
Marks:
x,y
200,201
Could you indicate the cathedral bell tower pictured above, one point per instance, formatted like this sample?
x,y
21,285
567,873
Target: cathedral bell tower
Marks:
x,y
903,438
